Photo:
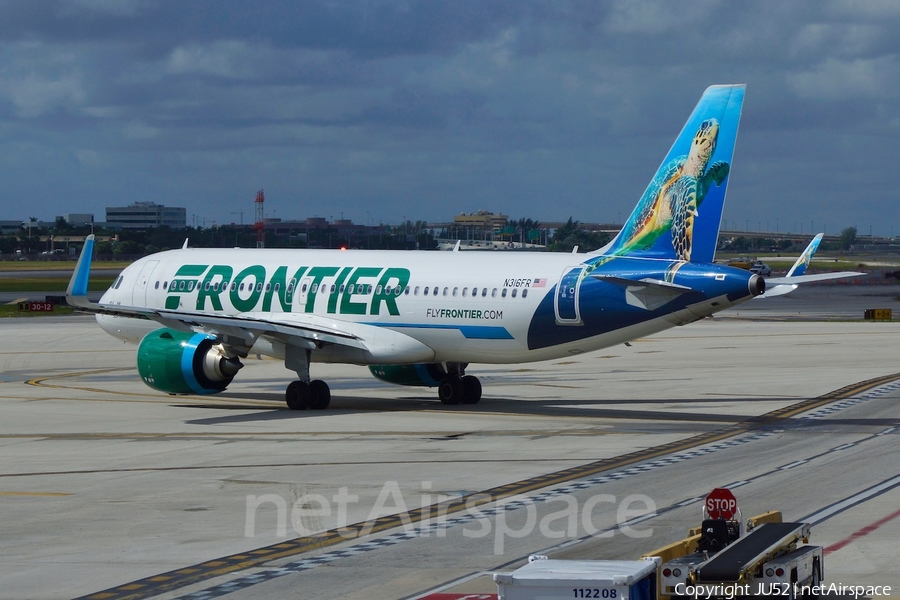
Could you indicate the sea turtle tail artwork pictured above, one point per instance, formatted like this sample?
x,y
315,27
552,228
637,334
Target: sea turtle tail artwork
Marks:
x,y
678,216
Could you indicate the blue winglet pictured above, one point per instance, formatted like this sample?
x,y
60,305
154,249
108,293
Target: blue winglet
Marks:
x,y
76,293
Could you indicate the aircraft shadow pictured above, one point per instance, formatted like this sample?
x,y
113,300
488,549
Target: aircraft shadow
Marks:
x,y
586,408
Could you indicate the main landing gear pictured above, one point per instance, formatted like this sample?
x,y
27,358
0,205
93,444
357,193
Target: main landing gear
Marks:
x,y
304,393
457,387
301,395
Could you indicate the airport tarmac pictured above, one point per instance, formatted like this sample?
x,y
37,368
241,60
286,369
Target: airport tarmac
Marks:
x,y
111,490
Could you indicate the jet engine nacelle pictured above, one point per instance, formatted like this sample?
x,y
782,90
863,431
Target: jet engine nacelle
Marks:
x,y
429,374
176,362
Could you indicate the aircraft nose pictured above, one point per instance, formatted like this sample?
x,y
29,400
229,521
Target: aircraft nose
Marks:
x,y
757,285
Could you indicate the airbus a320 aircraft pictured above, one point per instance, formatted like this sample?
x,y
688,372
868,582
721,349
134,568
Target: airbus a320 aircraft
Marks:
x,y
421,318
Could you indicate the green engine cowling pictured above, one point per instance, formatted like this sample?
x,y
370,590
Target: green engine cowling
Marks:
x,y
176,362
429,374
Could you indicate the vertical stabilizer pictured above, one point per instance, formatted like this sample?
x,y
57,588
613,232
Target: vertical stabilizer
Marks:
x,y
678,216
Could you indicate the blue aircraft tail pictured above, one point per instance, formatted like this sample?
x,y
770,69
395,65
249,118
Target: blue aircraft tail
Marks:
x,y
678,216
802,263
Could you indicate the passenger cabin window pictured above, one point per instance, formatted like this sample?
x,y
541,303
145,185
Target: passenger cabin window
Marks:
x,y
503,293
514,292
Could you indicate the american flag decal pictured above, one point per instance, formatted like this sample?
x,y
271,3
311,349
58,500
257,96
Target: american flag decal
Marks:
x,y
539,283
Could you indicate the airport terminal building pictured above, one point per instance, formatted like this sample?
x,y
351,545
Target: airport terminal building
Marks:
x,y
146,215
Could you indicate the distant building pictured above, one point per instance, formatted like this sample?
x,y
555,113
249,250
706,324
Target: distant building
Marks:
x,y
483,220
10,227
78,218
146,215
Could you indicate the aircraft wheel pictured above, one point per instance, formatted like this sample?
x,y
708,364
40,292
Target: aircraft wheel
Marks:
x,y
297,395
450,390
319,395
471,388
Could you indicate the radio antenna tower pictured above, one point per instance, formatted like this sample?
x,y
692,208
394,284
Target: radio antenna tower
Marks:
x,y
260,225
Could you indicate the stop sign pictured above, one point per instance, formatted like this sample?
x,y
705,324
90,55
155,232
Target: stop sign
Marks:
x,y
721,504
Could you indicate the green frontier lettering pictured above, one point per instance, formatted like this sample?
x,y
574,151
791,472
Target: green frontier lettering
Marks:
x,y
395,280
318,274
184,281
333,298
251,289
256,274
285,291
211,289
348,307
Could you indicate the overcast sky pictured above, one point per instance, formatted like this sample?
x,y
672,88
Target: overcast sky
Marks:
x,y
422,110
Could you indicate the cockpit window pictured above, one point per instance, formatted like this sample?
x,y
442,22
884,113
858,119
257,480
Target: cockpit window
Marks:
x,y
118,282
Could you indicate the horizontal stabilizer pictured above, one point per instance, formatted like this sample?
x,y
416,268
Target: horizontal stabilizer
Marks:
x,y
647,293
809,278
779,286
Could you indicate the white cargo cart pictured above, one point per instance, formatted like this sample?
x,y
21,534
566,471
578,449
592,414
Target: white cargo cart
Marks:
x,y
544,579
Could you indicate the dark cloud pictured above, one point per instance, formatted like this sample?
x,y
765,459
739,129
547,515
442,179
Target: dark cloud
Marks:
x,y
424,109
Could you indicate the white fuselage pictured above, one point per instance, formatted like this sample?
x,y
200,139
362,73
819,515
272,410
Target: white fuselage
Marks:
x,y
465,306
